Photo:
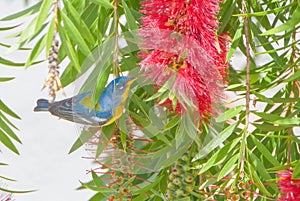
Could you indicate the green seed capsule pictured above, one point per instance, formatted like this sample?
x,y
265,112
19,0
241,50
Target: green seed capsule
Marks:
x,y
177,181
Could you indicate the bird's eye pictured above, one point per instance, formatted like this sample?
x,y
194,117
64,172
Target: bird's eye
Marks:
x,y
119,86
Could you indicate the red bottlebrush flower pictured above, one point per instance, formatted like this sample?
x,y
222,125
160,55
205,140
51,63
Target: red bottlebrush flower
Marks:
x,y
195,78
289,188
195,19
181,44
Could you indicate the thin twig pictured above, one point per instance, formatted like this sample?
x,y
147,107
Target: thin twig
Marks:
x,y
116,56
247,97
55,17
292,95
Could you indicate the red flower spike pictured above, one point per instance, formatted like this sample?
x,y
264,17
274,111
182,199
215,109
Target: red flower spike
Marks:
x,y
195,19
180,42
289,188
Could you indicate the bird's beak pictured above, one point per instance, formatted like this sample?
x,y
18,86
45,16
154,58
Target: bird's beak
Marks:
x,y
131,80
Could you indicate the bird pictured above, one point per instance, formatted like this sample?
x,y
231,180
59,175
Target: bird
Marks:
x,y
77,109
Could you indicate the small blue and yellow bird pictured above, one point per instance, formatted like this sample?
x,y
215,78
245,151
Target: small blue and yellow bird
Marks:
x,y
77,109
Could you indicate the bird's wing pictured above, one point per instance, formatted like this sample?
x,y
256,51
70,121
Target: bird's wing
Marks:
x,y
74,109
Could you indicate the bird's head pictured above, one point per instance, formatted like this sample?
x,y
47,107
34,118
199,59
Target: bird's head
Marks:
x,y
120,85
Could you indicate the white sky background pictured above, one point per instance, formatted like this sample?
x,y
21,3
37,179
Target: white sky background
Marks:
x,y
44,163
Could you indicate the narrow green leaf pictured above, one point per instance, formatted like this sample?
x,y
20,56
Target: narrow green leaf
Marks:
x,y
26,34
7,142
129,181
7,120
130,20
235,41
268,117
43,13
173,122
228,114
16,192
29,11
36,51
228,167
290,24
97,197
83,138
217,141
263,98
80,24
264,151
103,190
97,181
296,172
219,156
8,111
7,130
288,121
69,49
295,76
6,79
9,28
104,3
75,35
10,63
257,180
6,178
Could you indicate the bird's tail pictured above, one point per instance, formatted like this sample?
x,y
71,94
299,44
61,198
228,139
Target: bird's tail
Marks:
x,y
42,105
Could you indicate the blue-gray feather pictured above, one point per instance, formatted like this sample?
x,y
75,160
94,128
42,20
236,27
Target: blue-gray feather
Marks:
x,y
73,110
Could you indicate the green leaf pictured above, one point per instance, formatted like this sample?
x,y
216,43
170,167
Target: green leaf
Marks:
x,y
104,3
228,114
8,111
257,180
75,35
293,77
29,11
7,129
235,41
69,49
83,138
288,121
97,197
217,141
36,51
80,24
219,156
16,192
173,122
263,98
130,20
25,36
10,63
228,167
6,79
97,181
264,151
268,117
9,28
290,24
6,178
103,190
7,120
43,14
296,172
7,142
